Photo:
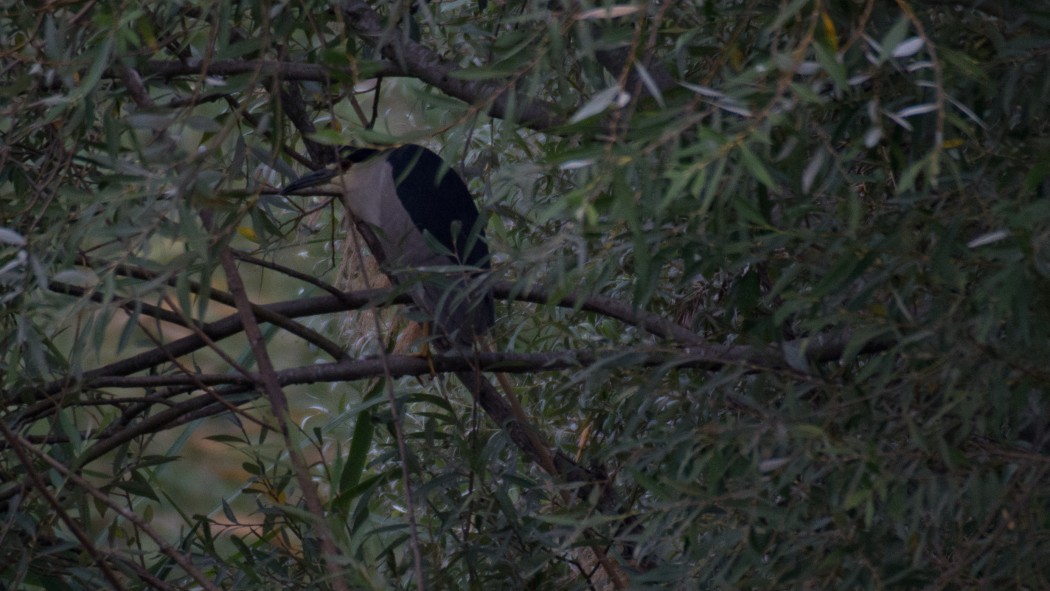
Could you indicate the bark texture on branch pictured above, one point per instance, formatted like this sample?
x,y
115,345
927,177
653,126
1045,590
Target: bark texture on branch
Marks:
x,y
417,61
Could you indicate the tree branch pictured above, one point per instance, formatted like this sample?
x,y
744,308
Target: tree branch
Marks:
x,y
818,348
280,69
66,473
294,108
229,326
266,380
711,357
418,61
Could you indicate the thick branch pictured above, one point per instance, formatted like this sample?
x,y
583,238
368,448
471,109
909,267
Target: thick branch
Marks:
x,y
229,326
812,349
707,358
131,307
293,106
282,70
710,357
420,62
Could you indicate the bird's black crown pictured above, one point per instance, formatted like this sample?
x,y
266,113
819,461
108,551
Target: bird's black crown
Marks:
x,y
353,154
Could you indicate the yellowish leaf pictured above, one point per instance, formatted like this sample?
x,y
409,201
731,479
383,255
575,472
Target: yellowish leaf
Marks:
x,y
248,233
830,33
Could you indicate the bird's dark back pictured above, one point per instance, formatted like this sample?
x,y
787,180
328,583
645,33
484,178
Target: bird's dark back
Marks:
x,y
436,198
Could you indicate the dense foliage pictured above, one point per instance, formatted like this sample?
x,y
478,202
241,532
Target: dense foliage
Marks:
x,y
774,283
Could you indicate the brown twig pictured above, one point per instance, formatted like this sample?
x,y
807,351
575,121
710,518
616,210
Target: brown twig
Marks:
x,y
267,381
418,61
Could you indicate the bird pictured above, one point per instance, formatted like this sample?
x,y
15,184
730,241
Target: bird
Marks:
x,y
421,223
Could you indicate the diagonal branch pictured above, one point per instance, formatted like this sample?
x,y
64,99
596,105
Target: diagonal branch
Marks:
x,y
266,380
418,61
178,557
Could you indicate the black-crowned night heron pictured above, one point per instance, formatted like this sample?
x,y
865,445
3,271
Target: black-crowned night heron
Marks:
x,y
422,225
420,222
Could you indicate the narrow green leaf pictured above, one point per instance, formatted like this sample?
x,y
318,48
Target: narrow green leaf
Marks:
x,y
90,80
755,167
357,455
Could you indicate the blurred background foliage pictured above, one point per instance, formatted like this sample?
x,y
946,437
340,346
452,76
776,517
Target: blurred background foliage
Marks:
x,y
849,196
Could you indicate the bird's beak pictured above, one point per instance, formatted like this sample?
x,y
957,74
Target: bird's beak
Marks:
x,y
318,180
